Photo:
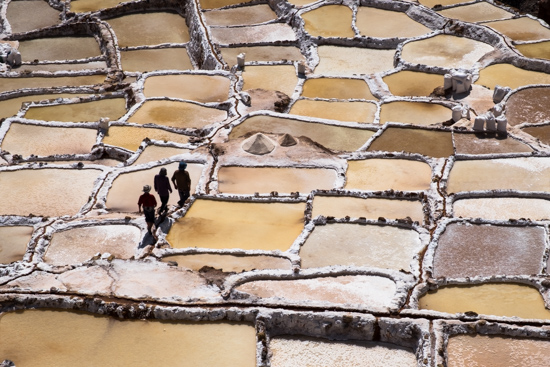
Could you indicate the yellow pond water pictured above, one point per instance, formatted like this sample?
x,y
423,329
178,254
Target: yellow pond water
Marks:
x,y
329,21
229,263
416,113
156,153
177,114
200,88
13,243
127,188
248,180
496,351
426,142
10,107
521,29
47,192
156,59
373,22
341,111
413,83
537,50
213,4
385,174
113,108
360,245
44,140
7,84
330,136
240,16
499,299
371,208
502,208
262,53
224,224
347,61
339,88
510,76
20,21
261,76
478,12
59,48
130,138
291,351
81,244
445,51
83,6
262,33
55,338
523,174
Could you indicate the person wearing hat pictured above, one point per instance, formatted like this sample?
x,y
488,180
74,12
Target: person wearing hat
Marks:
x,y
149,203
163,188
182,182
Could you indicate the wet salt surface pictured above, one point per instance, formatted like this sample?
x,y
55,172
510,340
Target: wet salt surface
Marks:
x,y
521,29
112,108
329,21
130,137
195,87
13,243
9,107
229,263
373,22
347,61
240,16
416,113
426,142
528,105
540,132
261,53
156,59
155,153
253,34
8,84
507,75
478,12
19,20
375,174
413,83
59,48
342,111
502,208
481,144
339,88
261,76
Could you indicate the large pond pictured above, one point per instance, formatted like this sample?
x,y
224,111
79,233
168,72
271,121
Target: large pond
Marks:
x,y
431,143
502,208
329,21
385,174
373,22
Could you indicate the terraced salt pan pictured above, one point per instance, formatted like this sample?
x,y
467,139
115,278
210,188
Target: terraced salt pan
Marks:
x,y
507,173
363,112
168,343
18,12
261,76
155,59
537,50
371,208
330,136
301,3
445,51
253,34
373,22
194,87
10,107
130,137
521,29
78,245
416,113
292,351
347,61
24,139
432,3
528,105
338,88
484,250
59,48
47,192
127,187
112,108
149,29
385,174
372,246
478,12
507,75
213,4
495,351
13,243
367,291
246,15
329,21
83,6
65,67
481,144
502,208
156,153
248,180
223,224
8,84
412,83
229,263
426,142
540,132
499,299
262,53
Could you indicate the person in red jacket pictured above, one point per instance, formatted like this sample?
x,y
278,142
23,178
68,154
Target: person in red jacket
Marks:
x,y
149,203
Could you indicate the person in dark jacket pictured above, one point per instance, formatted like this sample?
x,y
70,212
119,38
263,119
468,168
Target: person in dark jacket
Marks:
x,y
163,188
149,203
182,182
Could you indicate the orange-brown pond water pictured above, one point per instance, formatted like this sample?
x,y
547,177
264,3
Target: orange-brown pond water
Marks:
x,y
7,84
413,83
416,113
507,75
426,142
521,29
261,76
537,50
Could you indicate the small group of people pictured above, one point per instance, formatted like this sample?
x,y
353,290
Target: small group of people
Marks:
x,y
181,181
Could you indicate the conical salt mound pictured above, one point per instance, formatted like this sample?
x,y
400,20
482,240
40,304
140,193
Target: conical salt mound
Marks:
x,y
287,141
258,144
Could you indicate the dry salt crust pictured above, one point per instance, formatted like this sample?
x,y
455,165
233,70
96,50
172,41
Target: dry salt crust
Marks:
x,y
445,210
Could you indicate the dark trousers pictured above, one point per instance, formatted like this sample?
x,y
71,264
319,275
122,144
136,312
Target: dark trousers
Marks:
x,y
184,195
163,202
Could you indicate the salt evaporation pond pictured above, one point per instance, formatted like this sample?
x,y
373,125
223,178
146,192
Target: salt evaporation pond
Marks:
x,y
416,113
261,76
521,29
426,142
478,12
502,208
8,84
263,33
338,88
213,4
381,23
59,48
155,59
18,12
9,107
385,174
480,144
194,87
507,75
23,334
329,21
432,3
83,6
347,61
111,108
156,153
363,112
529,106
130,137
412,83
261,53
247,15
229,263
536,50
540,132
13,243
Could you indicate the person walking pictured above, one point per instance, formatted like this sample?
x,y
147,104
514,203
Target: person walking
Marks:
x,y
182,182
163,188
149,203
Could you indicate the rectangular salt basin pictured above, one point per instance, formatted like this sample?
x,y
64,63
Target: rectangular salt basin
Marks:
x,y
224,224
194,87
59,48
262,53
384,174
83,6
8,84
263,33
156,153
18,17
248,180
130,137
415,113
381,23
338,88
229,263
430,143
261,76
341,111
329,21
412,83
10,107
56,338
13,243
347,61
92,111
246,15
155,59
502,208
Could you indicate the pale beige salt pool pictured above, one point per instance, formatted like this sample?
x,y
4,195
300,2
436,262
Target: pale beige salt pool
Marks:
x,y
10,107
338,88
445,51
523,174
223,224
373,22
155,59
347,61
7,84
263,33
78,245
372,246
431,143
59,48
246,15
262,53
24,139
194,87
413,83
363,112
248,180
537,50
477,12
329,21
47,192
23,336
126,189
92,111
177,114
130,137
385,174
521,29
156,153
330,136
416,113
499,299
229,263
502,208
507,75
13,243
371,208
18,12
149,29
261,76
297,351
83,6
